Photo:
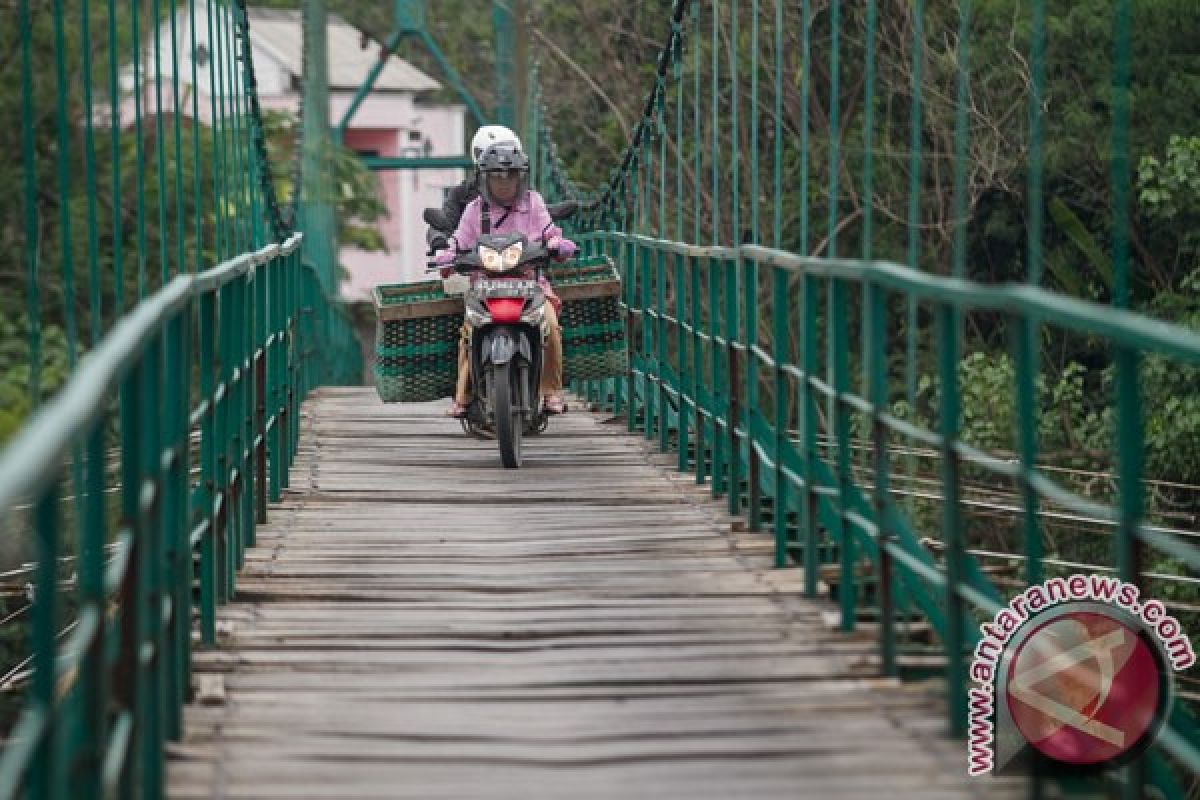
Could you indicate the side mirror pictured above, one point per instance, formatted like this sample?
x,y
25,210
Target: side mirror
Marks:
x,y
435,219
563,210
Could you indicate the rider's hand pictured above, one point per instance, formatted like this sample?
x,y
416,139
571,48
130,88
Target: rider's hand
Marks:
x,y
445,261
561,248
555,301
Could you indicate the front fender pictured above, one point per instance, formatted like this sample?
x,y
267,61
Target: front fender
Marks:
x,y
504,344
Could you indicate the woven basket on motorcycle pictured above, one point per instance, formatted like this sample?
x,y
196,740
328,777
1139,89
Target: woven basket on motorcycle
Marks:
x,y
593,329
416,341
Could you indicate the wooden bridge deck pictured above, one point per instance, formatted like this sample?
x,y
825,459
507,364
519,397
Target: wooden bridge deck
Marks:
x,y
418,623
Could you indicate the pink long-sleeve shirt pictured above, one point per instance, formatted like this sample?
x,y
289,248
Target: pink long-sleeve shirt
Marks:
x,y
529,216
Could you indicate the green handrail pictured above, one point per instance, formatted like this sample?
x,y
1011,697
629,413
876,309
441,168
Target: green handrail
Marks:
x,y
251,380
194,377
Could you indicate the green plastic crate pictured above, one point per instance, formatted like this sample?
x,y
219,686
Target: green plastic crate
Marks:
x,y
593,327
416,341
418,326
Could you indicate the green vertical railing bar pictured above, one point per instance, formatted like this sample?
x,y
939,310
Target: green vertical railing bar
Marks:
x,y
1130,436
735,139
716,446
949,322
118,224
807,410
661,129
662,366
961,135
868,197
914,203
755,192
30,201
197,172
677,72
229,167
695,376
952,532
176,113
219,169
835,129
89,171
46,772
94,683
749,297
160,148
780,317
868,165
875,333
687,392
805,85
695,122
809,287
1121,178
64,186
139,148
777,164
716,128
731,379
1025,331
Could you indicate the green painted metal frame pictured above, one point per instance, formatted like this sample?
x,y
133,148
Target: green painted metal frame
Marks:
x,y
409,22
698,370
431,162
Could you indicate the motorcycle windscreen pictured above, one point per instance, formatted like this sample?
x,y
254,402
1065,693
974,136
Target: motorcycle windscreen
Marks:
x,y
506,309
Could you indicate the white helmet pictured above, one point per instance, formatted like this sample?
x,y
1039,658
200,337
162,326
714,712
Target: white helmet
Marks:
x,y
489,135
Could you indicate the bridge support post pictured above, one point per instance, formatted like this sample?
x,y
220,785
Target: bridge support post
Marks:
x,y
508,17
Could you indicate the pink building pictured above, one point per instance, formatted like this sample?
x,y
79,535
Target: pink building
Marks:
x,y
395,120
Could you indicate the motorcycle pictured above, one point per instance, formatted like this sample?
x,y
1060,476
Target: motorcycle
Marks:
x,y
505,314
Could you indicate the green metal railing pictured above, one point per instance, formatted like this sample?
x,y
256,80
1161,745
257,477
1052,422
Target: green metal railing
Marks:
x,y
227,353
144,469
787,376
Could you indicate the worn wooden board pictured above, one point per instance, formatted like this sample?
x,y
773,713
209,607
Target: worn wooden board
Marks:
x,y
418,623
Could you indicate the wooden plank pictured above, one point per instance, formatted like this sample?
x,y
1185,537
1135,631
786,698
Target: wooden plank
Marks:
x,y
418,623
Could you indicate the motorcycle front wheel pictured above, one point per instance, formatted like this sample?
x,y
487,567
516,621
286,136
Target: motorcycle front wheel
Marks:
x,y
509,425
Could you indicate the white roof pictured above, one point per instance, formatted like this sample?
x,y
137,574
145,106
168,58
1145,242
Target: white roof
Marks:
x,y
282,33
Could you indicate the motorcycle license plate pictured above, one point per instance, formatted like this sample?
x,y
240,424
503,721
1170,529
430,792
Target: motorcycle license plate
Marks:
x,y
508,288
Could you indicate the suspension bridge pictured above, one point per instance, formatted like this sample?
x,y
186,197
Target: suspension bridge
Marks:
x,y
754,565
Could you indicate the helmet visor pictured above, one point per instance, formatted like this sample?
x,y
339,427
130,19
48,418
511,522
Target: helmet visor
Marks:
x,y
504,186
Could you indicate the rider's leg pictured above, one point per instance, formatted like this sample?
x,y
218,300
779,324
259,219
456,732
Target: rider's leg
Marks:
x,y
552,380
462,391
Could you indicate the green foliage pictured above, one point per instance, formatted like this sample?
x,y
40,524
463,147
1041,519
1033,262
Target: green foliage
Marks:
x,y
15,392
1169,200
1170,189
1074,420
1171,394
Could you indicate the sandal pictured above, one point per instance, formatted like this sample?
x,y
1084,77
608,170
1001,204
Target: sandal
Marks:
x,y
456,410
554,404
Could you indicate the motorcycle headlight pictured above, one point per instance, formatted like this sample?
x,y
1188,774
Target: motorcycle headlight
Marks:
x,y
491,259
512,255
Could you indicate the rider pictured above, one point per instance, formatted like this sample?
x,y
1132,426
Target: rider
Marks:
x,y
460,196
511,206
